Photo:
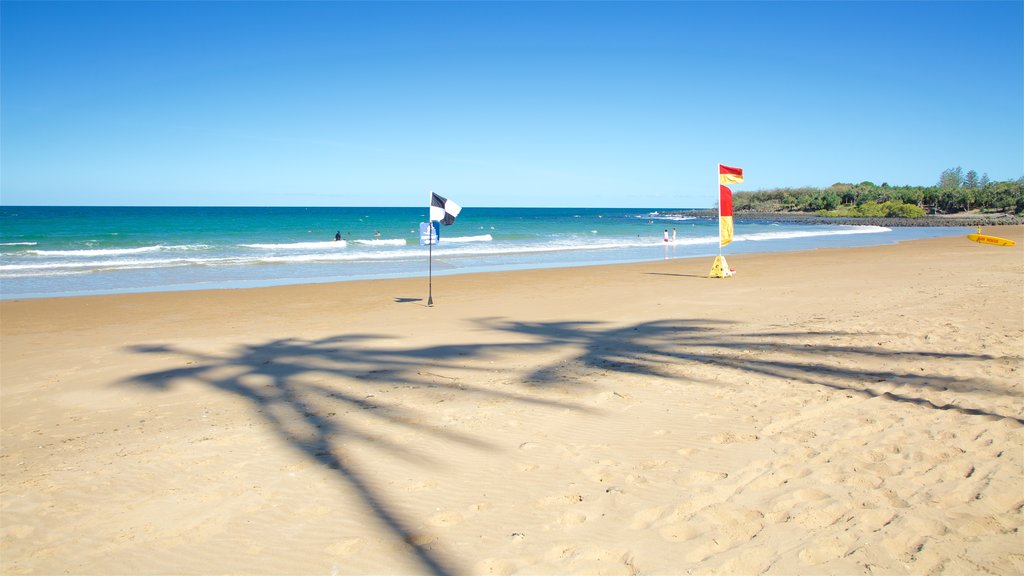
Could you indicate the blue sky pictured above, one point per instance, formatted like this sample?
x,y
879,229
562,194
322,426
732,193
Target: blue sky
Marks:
x,y
498,104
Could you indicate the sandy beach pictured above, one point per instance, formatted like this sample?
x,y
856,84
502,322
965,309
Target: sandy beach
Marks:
x,y
839,411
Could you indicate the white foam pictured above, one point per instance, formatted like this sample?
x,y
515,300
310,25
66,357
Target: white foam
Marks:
x,y
119,264
466,246
18,243
382,242
332,244
464,239
92,253
660,216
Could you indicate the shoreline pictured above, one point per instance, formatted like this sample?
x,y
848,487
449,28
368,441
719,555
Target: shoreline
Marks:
x,y
656,251
829,411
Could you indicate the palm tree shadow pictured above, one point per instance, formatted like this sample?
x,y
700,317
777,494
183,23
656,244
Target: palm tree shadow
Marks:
x,y
275,379
300,386
650,348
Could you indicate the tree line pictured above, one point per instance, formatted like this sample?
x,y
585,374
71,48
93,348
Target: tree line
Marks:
x,y
955,192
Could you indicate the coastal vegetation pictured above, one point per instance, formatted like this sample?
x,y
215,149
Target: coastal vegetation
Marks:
x,y
955,192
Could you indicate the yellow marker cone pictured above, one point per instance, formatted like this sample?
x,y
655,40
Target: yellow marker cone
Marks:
x,y
720,269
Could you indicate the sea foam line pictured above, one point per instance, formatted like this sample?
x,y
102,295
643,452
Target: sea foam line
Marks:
x,y
92,253
382,242
465,239
333,244
580,243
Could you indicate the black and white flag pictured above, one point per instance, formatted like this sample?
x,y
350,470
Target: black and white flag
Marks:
x,y
443,210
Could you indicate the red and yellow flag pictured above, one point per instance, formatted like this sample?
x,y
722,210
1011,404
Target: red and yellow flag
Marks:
x,y
729,175
725,214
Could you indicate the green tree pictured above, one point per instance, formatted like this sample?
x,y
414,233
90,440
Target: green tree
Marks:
x,y
971,180
871,209
910,195
830,200
897,209
930,198
951,178
958,193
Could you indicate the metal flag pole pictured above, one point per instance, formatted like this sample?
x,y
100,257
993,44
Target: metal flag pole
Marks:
x,y
719,186
430,253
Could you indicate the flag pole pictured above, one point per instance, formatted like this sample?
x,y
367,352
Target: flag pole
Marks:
x,y
430,253
430,266
719,186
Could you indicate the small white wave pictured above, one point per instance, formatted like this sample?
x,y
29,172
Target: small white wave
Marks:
x,y
382,242
92,253
96,265
464,239
470,246
17,243
667,217
299,245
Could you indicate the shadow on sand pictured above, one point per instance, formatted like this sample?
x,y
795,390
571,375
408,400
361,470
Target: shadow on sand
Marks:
x,y
292,383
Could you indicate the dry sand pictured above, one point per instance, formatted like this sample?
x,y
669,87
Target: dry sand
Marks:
x,y
839,411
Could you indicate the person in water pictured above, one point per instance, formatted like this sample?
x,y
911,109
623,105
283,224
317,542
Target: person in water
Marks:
x,y
337,236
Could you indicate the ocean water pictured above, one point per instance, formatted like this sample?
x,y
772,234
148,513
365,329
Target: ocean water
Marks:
x,y
65,251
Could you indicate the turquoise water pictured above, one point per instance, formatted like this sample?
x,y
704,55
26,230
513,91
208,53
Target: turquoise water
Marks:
x,y
64,251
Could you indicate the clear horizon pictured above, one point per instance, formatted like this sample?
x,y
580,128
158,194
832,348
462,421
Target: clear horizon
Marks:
x,y
498,104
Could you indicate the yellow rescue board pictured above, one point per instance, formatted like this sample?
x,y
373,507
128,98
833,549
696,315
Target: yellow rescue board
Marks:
x,y
993,240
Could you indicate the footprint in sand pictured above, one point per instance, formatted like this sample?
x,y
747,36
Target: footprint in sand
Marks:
x,y
605,471
345,547
876,519
495,566
445,519
644,519
722,542
797,436
561,552
731,438
560,500
415,486
680,531
830,549
753,561
572,518
701,477
822,515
